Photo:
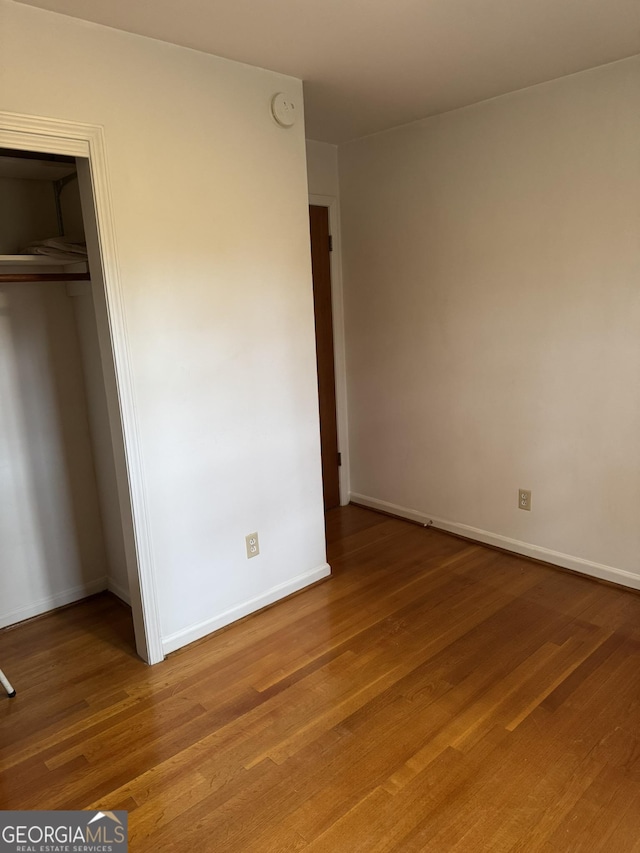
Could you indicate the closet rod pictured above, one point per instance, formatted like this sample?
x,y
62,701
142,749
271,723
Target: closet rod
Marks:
x,y
45,276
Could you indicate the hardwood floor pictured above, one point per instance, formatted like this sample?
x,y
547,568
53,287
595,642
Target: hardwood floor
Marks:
x,y
433,695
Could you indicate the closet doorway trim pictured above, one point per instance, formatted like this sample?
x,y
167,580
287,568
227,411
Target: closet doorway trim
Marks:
x,y
52,136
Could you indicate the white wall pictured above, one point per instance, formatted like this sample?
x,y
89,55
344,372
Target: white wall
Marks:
x,y
51,541
210,205
322,168
27,212
491,263
72,210
101,439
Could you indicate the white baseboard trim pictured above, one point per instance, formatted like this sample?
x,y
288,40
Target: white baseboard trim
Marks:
x,y
202,629
556,558
51,602
119,591
392,509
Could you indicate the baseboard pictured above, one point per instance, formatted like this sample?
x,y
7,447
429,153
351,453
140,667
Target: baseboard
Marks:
x,y
524,549
44,605
120,591
276,593
391,509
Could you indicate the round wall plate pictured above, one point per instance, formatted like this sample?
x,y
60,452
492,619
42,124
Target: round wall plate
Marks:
x,y
283,110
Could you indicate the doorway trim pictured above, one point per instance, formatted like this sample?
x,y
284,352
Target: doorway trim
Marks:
x,y
57,136
339,347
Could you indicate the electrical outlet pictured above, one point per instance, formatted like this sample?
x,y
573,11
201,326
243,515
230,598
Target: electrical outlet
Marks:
x,y
253,546
524,499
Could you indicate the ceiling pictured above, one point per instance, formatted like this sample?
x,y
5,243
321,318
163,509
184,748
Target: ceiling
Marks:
x,y
368,65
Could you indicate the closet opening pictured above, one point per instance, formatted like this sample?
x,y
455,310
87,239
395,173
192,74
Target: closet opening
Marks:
x,y
65,527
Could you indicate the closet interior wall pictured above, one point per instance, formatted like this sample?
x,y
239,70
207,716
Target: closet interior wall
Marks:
x,y
60,529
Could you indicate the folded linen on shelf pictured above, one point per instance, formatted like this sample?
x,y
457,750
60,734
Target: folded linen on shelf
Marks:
x,y
62,248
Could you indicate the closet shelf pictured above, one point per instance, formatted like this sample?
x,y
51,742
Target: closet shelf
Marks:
x,y
25,268
37,261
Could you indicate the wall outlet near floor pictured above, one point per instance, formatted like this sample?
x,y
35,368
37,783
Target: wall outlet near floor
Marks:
x,y
524,498
253,546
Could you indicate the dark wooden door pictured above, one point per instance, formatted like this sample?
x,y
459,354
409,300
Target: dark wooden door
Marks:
x,y
321,266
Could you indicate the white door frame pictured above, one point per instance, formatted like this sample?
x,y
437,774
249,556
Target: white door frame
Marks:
x,y
51,136
339,348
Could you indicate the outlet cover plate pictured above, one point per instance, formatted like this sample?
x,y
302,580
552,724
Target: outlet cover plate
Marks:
x,y
524,499
253,546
